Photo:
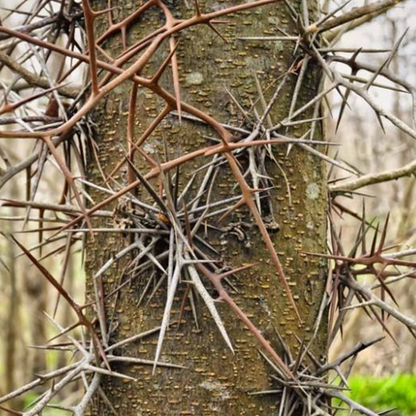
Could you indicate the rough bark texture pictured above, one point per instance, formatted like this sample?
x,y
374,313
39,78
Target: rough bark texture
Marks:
x,y
216,382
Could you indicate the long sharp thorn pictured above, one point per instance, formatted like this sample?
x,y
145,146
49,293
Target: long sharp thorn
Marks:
x,y
210,305
239,269
48,276
69,178
214,29
237,205
89,15
383,235
385,288
11,411
386,62
175,74
197,8
168,308
364,245
373,244
341,111
148,187
65,331
160,71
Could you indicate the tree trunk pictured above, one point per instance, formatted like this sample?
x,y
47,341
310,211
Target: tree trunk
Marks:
x,y
215,381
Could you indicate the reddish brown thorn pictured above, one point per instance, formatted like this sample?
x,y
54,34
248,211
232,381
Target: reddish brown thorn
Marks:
x,y
197,9
64,269
82,320
152,162
246,195
65,331
237,205
383,236
274,257
69,178
130,130
226,298
233,271
329,256
363,230
373,244
124,23
220,22
171,22
87,305
48,276
11,107
384,287
105,54
11,411
101,204
124,37
41,229
110,15
149,188
104,11
333,293
90,15
183,303
215,30
156,77
141,140
175,73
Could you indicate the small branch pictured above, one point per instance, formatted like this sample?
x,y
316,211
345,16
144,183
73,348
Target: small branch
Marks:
x,y
34,79
354,14
375,178
366,291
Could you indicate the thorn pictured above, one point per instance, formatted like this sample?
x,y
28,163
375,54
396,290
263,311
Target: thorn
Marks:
x,y
197,9
383,235
165,63
104,11
374,242
239,269
11,411
65,331
237,205
214,29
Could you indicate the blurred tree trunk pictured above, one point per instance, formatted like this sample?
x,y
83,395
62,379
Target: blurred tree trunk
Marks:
x,y
216,382
12,325
36,289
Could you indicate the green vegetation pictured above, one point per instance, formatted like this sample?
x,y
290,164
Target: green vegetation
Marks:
x,y
379,394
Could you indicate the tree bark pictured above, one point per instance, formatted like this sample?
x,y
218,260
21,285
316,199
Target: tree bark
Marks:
x,y
215,381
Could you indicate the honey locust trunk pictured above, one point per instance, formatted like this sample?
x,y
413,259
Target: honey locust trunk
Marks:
x,y
233,80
